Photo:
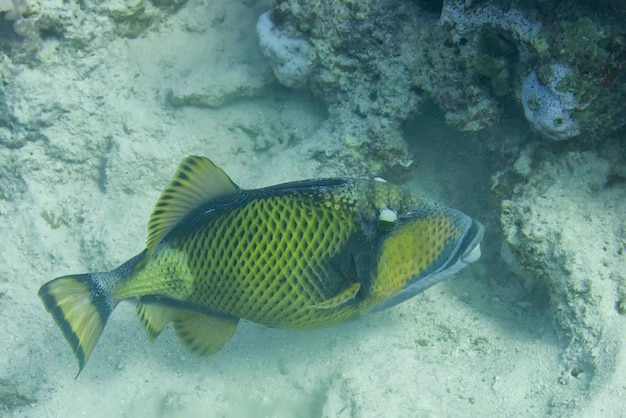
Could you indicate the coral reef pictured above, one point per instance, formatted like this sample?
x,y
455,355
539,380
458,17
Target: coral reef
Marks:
x,y
374,63
356,68
380,60
567,62
490,16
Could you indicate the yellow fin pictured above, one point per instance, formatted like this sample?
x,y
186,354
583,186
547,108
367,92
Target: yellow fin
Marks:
x,y
154,316
340,299
80,309
200,333
196,181
203,334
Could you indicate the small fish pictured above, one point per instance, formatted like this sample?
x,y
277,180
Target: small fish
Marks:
x,y
298,255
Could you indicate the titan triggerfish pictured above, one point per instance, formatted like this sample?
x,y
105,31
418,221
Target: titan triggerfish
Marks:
x,y
297,255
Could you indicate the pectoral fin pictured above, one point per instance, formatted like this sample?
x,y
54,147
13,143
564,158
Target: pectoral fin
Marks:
x,y
200,333
341,298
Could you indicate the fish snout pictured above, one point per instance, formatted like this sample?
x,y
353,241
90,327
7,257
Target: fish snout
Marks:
x,y
471,250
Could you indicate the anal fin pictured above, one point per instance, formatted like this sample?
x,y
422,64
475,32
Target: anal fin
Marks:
x,y
203,334
341,298
154,316
200,333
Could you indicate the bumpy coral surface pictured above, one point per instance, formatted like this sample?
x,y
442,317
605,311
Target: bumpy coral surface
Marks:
x,y
380,60
567,63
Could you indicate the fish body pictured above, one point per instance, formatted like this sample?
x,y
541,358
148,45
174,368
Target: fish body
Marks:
x,y
297,255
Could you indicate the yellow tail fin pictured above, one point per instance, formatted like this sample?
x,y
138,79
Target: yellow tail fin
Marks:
x,y
80,308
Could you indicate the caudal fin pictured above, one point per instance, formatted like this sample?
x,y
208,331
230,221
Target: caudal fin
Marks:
x,y
80,308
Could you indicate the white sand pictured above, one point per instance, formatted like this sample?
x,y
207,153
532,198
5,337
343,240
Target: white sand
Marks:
x,y
463,348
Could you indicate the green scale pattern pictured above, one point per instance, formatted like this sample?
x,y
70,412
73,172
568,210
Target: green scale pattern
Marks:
x,y
266,260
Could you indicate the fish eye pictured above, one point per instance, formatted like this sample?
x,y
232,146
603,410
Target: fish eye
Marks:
x,y
387,219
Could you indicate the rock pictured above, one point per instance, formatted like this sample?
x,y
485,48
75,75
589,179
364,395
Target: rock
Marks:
x,y
217,88
566,226
289,56
14,394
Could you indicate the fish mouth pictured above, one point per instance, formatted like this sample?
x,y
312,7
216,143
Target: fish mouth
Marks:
x,y
471,243
465,252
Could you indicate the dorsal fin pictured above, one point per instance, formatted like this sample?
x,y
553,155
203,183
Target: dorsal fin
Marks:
x,y
196,181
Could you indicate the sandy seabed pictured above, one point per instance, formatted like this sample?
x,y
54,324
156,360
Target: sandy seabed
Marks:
x,y
109,141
